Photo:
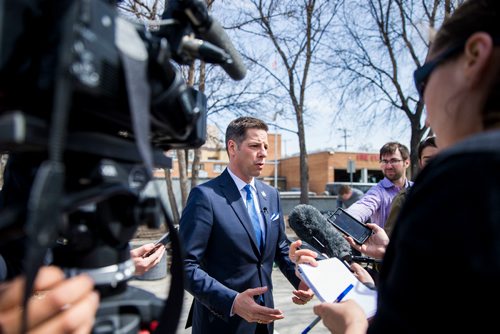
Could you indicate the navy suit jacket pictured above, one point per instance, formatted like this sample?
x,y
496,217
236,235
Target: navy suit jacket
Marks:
x,y
221,253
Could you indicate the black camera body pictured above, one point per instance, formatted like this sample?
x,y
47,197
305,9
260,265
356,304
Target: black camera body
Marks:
x,y
89,102
86,42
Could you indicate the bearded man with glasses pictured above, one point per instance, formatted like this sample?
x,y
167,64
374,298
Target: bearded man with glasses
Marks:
x,y
376,203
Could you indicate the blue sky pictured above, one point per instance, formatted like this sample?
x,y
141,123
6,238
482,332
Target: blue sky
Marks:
x,y
322,136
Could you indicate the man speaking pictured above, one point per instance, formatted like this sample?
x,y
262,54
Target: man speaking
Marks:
x,y
232,230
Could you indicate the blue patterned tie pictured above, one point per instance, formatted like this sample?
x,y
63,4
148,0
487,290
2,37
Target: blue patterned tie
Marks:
x,y
252,212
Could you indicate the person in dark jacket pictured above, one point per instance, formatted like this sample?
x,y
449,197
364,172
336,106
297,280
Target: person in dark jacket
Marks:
x,y
441,269
233,232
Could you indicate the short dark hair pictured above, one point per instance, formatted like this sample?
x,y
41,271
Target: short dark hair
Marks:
x,y
391,147
237,129
429,141
344,189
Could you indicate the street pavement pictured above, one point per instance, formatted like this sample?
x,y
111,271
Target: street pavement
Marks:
x,y
297,317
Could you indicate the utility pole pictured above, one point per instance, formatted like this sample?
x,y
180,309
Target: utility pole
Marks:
x,y
275,150
275,157
345,135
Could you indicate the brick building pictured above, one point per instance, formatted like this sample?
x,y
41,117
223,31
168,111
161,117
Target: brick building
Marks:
x,y
329,166
324,166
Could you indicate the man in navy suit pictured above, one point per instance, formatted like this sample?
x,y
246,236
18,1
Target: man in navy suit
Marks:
x,y
228,270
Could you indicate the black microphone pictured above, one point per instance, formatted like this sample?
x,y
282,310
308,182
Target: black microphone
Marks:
x,y
218,36
197,48
312,227
211,31
363,259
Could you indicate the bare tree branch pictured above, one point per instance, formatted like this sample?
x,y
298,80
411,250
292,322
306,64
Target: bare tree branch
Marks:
x,y
294,30
381,41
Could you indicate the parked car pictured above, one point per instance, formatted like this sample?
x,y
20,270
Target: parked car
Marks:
x,y
294,193
333,187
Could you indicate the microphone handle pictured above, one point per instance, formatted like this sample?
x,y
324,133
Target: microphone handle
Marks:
x,y
364,259
218,36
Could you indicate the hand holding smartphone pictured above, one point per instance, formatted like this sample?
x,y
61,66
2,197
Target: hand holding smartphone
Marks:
x,y
152,250
349,225
163,241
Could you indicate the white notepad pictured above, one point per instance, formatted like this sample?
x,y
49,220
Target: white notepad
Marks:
x,y
331,277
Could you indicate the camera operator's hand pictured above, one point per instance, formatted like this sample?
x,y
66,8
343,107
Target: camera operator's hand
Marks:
x,y
59,305
142,262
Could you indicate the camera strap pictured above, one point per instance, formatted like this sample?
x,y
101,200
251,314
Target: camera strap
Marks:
x,y
135,67
44,204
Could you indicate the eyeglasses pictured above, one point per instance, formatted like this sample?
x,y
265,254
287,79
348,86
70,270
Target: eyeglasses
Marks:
x,y
421,74
391,162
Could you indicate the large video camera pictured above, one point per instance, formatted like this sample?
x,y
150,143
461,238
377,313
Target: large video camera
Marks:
x,y
89,100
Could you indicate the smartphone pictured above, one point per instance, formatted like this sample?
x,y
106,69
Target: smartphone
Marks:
x,y
163,241
349,225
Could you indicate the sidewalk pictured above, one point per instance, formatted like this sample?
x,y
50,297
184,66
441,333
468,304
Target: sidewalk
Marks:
x,y
297,317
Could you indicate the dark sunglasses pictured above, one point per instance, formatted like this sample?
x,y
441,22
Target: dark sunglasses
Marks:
x,y
422,73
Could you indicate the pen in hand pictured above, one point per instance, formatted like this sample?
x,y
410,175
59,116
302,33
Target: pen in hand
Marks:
x,y
337,300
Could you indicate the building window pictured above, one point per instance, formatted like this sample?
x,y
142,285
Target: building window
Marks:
x,y
218,168
172,154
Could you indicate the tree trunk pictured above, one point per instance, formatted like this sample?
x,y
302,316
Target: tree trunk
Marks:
x,y
182,156
3,162
171,196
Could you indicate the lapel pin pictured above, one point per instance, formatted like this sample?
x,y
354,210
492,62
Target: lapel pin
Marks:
x,y
263,194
